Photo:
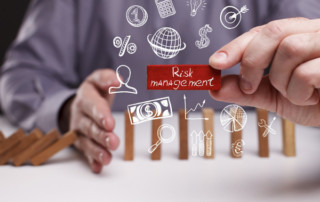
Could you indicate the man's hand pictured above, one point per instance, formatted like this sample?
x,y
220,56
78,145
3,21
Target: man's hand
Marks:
x,y
90,116
292,48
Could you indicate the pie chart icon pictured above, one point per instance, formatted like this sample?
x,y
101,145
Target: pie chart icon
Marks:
x,y
233,118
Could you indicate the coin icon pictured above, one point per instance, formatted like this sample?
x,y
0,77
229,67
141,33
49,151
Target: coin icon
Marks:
x,y
148,110
137,16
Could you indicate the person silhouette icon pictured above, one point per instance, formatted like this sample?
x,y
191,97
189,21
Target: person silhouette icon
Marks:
x,y
123,87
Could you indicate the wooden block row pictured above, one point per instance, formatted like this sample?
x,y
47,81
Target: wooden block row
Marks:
x,y
64,142
1,137
35,147
12,141
183,137
25,142
208,126
288,136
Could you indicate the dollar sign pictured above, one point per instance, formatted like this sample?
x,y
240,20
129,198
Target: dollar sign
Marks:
x,y
204,41
148,111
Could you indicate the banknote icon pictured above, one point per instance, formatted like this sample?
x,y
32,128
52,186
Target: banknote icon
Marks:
x,y
150,110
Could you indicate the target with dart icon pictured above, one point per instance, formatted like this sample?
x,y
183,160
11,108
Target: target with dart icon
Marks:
x,y
230,16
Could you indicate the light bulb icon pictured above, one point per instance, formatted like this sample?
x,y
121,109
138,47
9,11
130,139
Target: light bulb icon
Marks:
x,y
195,5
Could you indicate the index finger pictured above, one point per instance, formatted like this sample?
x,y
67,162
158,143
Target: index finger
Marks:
x,y
231,54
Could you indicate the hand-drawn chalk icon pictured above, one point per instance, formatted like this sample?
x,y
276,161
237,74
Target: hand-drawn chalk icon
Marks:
x,y
198,105
233,118
124,87
165,8
124,45
204,42
195,5
230,16
136,16
268,129
237,148
150,110
197,139
161,138
166,43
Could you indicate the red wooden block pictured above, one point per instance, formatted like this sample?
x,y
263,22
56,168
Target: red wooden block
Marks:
x,y
183,77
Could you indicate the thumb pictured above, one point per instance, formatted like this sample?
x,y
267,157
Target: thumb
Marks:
x,y
264,98
103,79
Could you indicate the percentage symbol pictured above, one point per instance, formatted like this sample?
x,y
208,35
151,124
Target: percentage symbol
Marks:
x,y
124,45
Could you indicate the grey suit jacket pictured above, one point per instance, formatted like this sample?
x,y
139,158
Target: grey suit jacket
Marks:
x,y
62,41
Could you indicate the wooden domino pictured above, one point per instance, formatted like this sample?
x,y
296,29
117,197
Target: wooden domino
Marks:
x,y
208,131
156,155
129,139
12,141
183,131
67,140
1,137
21,146
288,136
37,147
262,115
236,139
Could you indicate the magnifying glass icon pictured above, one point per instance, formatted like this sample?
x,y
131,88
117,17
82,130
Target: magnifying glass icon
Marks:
x,y
161,138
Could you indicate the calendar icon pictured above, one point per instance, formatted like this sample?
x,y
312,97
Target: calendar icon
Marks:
x,y
165,8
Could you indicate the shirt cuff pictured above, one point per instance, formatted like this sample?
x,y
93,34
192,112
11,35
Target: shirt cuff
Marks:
x,y
48,113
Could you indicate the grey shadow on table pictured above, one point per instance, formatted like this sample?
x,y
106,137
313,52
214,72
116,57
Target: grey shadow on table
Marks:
x,y
307,186
73,156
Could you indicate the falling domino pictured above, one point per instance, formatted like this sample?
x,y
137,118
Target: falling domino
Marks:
x,y
12,141
21,146
208,130
67,140
183,126
236,138
288,135
156,155
1,137
129,139
263,141
37,147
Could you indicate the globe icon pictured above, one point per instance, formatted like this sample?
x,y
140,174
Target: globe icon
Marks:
x,y
166,43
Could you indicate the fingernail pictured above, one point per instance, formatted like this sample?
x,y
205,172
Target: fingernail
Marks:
x,y
314,99
103,122
219,57
108,123
101,157
245,84
108,142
